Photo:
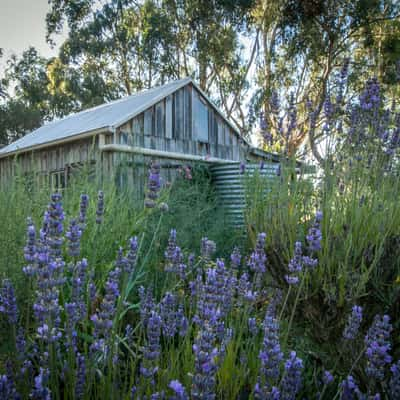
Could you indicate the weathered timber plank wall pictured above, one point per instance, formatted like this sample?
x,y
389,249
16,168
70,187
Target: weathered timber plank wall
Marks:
x,y
51,159
183,122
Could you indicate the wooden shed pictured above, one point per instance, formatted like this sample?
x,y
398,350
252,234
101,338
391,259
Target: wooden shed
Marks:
x,y
174,124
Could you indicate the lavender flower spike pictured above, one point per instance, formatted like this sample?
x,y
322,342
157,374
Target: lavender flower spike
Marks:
x,y
270,356
295,265
350,390
153,185
8,302
73,236
83,209
40,391
327,378
54,220
152,349
394,383
291,382
204,380
378,346
80,377
100,208
131,257
179,391
314,236
353,324
7,388
236,259
103,318
258,258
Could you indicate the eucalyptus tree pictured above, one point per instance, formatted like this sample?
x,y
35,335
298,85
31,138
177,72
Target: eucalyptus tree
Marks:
x,y
303,46
142,43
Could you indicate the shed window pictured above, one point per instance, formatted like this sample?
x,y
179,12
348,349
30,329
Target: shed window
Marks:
x,y
57,180
200,118
123,138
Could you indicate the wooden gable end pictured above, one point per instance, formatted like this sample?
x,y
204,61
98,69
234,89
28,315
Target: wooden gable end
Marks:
x,y
183,122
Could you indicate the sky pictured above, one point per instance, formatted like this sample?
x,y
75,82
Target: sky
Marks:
x,y
22,24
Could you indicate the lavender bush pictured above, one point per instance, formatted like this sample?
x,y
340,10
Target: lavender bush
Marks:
x,y
186,341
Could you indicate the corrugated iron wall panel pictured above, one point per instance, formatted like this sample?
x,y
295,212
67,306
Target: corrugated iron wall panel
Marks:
x,y
229,182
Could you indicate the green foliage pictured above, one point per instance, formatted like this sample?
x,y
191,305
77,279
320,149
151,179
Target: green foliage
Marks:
x,y
359,262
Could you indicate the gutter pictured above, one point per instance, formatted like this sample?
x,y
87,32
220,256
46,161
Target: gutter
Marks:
x,y
163,154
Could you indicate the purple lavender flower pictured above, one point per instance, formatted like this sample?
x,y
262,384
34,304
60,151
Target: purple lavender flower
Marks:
x,y
242,168
236,259
291,382
55,221
80,376
153,185
214,297
100,208
260,394
83,206
174,257
295,265
182,322
327,378
265,132
8,302
7,388
77,308
170,251
314,236
370,98
121,262
49,272
152,349
40,390
206,366
353,323
131,257
103,318
168,315
394,383
258,258
179,391
274,102
245,291
73,236
270,356
350,390
225,286
378,346
146,304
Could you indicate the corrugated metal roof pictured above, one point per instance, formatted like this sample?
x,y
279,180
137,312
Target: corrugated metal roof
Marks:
x,y
109,115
